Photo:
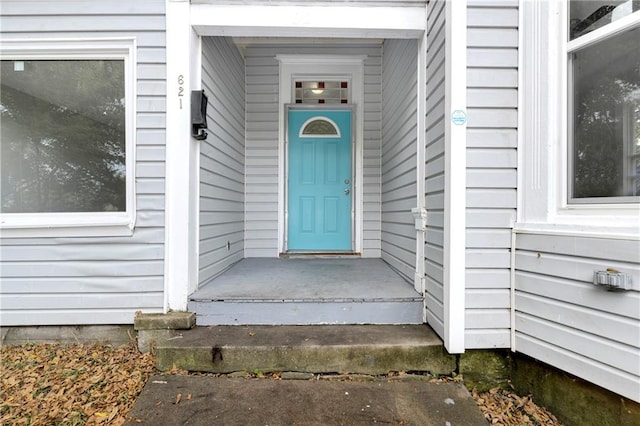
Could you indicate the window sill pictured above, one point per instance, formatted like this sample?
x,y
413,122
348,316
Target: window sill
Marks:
x,y
35,225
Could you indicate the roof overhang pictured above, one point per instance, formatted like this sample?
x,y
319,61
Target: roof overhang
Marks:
x,y
330,20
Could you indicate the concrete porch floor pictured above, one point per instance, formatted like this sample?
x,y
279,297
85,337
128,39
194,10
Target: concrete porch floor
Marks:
x,y
307,291
308,279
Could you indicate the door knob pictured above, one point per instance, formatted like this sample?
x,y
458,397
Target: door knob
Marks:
x,y
346,191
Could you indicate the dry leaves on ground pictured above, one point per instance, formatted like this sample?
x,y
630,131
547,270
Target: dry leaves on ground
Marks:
x,y
49,384
98,384
501,407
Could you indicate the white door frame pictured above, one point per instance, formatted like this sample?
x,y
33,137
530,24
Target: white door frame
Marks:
x,y
318,67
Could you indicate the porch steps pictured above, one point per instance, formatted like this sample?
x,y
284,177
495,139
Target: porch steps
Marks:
x,y
355,349
265,291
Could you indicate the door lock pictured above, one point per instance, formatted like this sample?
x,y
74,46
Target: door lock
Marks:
x,y
347,191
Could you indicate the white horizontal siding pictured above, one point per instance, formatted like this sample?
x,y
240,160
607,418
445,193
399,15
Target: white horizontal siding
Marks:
x,y
434,166
262,97
566,321
222,159
97,280
492,101
399,136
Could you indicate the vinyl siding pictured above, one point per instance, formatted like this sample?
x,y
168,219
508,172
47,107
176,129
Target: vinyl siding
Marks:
x,y
96,280
434,166
222,159
262,80
399,136
492,101
566,321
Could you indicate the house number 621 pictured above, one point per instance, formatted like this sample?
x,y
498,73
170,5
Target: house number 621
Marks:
x,y
180,88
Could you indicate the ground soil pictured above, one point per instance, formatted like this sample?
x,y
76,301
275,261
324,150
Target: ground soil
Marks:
x,y
50,384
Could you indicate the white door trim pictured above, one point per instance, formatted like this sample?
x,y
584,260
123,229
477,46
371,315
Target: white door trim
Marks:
x,y
320,67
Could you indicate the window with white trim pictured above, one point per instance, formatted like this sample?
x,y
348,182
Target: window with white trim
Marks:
x,y
604,102
66,138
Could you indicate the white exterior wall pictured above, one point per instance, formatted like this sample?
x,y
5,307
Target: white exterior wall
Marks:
x,y
492,101
96,280
564,320
561,318
262,94
434,165
399,134
222,159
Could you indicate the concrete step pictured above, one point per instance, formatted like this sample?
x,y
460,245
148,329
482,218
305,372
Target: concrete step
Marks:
x,y
355,349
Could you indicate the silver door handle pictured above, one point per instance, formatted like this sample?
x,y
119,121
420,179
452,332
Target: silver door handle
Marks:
x,y
346,191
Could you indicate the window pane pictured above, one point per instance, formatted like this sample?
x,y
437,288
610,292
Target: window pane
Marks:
x,y
606,118
63,136
588,15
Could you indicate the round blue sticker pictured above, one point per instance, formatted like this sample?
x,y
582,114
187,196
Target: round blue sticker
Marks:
x,y
458,117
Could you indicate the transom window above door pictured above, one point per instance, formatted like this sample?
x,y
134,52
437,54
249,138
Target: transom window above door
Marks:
x,y
321,92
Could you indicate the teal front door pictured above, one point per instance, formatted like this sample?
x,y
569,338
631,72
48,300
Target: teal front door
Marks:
x,y
319,180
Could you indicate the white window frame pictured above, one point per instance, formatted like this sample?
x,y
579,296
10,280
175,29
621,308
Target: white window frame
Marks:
x,y
47,224
543,147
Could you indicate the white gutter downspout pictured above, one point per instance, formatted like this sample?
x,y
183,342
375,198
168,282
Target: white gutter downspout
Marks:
x,y
455,172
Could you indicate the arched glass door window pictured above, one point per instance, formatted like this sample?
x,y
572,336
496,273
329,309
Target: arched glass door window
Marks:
x,y
319,127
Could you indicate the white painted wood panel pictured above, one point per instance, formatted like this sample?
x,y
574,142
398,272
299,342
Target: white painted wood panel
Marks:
x,y
398,162
486,338
83,285
494,278
487,319
492,37
601,248
434,166
492,99
222,159
573,267
578,293
603,375
492,138
96,280
600,349
496,18
564,320
492,77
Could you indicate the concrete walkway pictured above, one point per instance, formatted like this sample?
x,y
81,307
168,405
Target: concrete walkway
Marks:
x,y
207,400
